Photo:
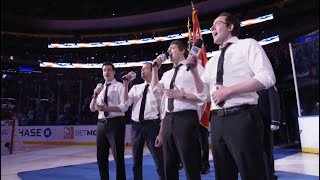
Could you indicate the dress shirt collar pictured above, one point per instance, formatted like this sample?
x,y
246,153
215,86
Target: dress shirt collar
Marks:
x,y
179,64
145,83
112,82
232,40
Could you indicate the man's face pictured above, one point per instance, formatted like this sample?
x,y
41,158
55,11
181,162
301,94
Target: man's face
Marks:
x,y
108,73
175,53
221,31
146,71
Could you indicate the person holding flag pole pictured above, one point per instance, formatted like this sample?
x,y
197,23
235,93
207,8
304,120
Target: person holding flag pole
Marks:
x,y
204,108
179,129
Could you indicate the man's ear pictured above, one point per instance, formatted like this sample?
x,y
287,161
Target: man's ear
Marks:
x,y
230,28
183,51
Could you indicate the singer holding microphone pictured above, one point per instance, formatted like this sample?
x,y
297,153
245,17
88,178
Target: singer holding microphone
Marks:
x,y
180,125
107,99
241,69
145,121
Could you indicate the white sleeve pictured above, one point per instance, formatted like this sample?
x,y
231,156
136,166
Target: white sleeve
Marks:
x,y
125,105
203,96
260,65
157,90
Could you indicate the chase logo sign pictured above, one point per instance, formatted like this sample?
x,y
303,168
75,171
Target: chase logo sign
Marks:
x,y
47,132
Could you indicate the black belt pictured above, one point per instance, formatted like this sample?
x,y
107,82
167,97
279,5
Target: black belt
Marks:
x,y
180,112
105,120
145,122
232,110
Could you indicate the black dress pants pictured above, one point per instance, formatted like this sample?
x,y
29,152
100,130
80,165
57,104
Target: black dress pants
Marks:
x,y
268,150
181,139
111,135
237,140
141,133
204,144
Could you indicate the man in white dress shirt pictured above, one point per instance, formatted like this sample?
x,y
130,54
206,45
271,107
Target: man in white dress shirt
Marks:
x,y
237,129
145,122
180,124
111,125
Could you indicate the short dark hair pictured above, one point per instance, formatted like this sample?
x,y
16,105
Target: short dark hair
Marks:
x,y
181,47
149,63
109,64
231,19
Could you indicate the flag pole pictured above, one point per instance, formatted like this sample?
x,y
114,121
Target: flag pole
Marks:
x,y
193,11
196,33
192,6
189,34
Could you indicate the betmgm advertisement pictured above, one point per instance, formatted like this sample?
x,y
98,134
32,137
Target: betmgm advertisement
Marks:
x,y
59,135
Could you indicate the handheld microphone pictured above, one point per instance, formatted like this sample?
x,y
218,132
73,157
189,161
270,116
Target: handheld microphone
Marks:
x,y
163,57
100,86
132,75
195,50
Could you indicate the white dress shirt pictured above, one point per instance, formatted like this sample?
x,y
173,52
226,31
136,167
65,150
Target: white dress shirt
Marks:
x,y
115,98
244,59
152,107
184,81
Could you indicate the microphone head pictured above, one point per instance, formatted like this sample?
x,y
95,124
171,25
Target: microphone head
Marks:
x,y
198,43
166,55
100,87
195,50
163,57
132,75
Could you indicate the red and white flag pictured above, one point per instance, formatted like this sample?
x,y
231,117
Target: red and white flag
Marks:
x,y
204,121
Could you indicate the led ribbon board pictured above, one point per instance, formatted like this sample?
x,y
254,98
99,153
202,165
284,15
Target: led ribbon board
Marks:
x,y
153,39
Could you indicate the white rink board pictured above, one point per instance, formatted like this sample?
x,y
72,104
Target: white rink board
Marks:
x,y
70,133
309,133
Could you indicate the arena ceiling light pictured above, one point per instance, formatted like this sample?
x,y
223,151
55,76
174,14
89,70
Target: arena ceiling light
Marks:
x,y
152,39
134,64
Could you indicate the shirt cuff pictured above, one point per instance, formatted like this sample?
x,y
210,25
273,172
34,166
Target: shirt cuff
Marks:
x,y
266,79
204,95
124,106
158,88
